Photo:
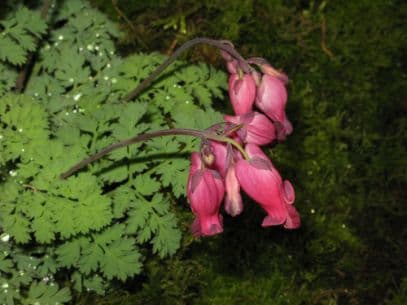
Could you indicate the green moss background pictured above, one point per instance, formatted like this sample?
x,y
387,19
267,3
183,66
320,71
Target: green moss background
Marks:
x,y
346,158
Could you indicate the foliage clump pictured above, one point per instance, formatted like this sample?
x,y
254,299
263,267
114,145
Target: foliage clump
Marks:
x,y
104,223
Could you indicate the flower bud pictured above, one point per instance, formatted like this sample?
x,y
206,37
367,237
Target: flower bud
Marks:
x,y
257,128
271,99
205,193
242,92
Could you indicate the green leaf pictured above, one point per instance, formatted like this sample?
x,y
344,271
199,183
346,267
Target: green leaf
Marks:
x,y
153,221
11,52
17,226
174,172
70,252
167,238
42,293
121,259
6,265
146,185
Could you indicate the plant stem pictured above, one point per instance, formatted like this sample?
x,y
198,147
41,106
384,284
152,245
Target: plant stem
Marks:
x,y
24,74
217,43
148,136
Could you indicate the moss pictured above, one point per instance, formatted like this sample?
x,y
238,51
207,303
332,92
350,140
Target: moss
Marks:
x,y
346,156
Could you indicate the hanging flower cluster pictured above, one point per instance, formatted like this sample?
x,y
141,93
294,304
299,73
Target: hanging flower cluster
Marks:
x,y
230,157
219,170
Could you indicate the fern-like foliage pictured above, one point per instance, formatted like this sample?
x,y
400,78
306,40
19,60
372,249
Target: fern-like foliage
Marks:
x,y
100,224
18,35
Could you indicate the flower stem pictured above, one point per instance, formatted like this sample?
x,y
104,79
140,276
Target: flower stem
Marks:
x,y
217,43
148,136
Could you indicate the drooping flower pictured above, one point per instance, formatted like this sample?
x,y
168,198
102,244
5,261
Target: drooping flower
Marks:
x,y
270,70
242,93
220,152
205,191
271,99
257,128
263,183
232,66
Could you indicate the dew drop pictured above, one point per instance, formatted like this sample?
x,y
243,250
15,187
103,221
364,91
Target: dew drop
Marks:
x,y
77,96
5,237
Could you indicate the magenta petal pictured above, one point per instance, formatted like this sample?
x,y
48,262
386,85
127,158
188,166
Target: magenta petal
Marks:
x,y
264,186
196,228
232,66
260,130
270,70
242,93
269,221
293,218
257,128
272,98
288,192
260,163
220,152
288,127
211,225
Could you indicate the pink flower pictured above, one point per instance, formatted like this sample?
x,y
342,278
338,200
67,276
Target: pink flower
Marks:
x,y
262,182
257,128
233,200
271,99
220,151
242,92
270,70
232,66
205,192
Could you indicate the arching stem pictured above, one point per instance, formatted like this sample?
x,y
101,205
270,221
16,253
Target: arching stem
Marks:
x,y
217,43
147,136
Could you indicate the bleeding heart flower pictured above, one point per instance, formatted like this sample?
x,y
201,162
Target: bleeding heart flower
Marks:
x,y
263,183
205,191
220,151
257,128
271,99
242,93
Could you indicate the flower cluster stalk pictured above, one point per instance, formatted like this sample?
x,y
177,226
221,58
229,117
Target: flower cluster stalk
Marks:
x,y
203,134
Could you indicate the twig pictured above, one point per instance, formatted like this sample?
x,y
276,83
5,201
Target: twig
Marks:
x,y
146,136
324,47
25,72
31,187
332,292
172,46
128,21
219,44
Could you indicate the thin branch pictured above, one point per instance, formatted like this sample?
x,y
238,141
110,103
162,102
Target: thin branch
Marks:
x,y
26,71
204,134
121,14
323,39
217,43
